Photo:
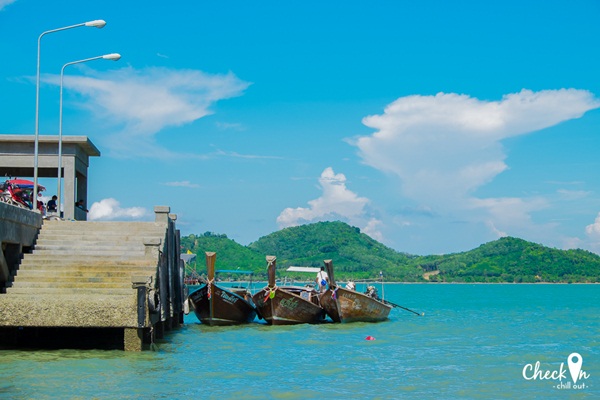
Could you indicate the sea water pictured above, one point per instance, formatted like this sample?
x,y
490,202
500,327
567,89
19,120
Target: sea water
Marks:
x,y
481,341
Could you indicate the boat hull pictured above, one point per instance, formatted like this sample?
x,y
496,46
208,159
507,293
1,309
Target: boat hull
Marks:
x,y
222,308
350,306
289,306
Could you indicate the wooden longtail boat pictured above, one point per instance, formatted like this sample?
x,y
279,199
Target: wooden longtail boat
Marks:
x,y
287,305
215,305
345,305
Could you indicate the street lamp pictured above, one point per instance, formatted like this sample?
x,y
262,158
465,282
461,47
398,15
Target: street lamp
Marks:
x,y
97,23
111,56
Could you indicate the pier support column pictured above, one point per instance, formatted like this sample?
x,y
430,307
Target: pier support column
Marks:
x,y
161,214
133,339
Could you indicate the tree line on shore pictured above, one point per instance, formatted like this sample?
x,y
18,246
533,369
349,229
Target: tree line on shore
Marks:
x,y
357,256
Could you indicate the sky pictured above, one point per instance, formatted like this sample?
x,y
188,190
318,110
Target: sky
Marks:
x,y
433,126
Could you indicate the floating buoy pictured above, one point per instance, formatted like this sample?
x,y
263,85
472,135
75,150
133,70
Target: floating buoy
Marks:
x,y
369,338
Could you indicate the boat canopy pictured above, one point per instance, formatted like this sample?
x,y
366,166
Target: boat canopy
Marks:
x,y
233,271
303,269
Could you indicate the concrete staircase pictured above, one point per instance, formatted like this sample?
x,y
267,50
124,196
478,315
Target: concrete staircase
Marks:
x,y
73,257
90,282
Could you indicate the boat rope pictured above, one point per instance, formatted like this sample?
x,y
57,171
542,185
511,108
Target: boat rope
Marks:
x,y
209,283
270,292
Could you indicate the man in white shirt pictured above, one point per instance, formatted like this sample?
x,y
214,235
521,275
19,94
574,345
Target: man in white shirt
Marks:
x,y
322,280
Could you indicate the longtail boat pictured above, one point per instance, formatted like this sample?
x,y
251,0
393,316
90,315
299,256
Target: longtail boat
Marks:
x,y
216,305
287,305
346,305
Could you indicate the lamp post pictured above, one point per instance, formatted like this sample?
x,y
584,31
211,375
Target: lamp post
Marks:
x,y
111,56
98,23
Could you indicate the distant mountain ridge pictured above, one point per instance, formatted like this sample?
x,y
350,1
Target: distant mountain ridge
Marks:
x,y
356,255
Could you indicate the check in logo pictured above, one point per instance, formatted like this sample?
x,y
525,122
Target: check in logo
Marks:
x,y
575,363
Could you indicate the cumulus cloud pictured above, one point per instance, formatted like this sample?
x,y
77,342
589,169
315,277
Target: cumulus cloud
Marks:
x,y
444,147
110,209
507,214
593,233
593,230
142,102
337,202
450,144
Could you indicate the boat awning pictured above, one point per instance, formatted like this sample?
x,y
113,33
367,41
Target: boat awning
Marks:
x,y
303,269
233,271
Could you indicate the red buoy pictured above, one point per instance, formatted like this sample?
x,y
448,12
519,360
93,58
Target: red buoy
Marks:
x,y
369,338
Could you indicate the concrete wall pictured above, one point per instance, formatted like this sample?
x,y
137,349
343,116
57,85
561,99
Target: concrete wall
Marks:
x,y
18,229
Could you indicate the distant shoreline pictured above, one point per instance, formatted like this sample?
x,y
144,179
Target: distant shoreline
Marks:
x,y
490,283
435,283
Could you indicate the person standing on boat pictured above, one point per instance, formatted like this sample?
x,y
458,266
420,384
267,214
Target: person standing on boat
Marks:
x,y
350,285
322,280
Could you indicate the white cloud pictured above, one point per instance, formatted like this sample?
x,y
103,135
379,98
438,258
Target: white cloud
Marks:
x,y
593,233
187,184
450,144
506,215
444,147
593,230
4,3
573,194
110,209
371,229
145,101
337,202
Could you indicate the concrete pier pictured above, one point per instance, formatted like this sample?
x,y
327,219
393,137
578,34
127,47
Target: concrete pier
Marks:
x,y
94,282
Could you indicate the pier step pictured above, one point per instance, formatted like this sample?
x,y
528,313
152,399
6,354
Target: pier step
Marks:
x,y
62,291
51,224
87,252
132,258
99,235
88,273
91,245
100,284
100,240
56,268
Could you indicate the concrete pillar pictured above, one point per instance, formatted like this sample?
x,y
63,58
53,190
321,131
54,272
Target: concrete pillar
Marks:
x,y
4,270
68,198
82,189
133,339
159,330
161,214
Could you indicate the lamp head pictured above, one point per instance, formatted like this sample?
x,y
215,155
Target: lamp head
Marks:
x,y
112,56
97,23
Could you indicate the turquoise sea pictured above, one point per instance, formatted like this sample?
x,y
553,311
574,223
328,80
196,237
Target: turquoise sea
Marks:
x,y
473,342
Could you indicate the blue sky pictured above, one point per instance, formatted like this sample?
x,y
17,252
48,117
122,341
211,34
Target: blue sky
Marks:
x,y
433,126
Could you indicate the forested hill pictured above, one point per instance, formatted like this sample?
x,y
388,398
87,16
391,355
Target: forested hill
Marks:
x,y
353,253
356,255
513,260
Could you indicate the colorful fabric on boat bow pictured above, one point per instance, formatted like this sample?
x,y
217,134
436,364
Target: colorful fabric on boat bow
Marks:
x,y
270,293
334,293
209,288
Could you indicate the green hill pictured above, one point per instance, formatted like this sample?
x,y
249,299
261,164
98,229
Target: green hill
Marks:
x,y
230,255
358,256
354,254
514,260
